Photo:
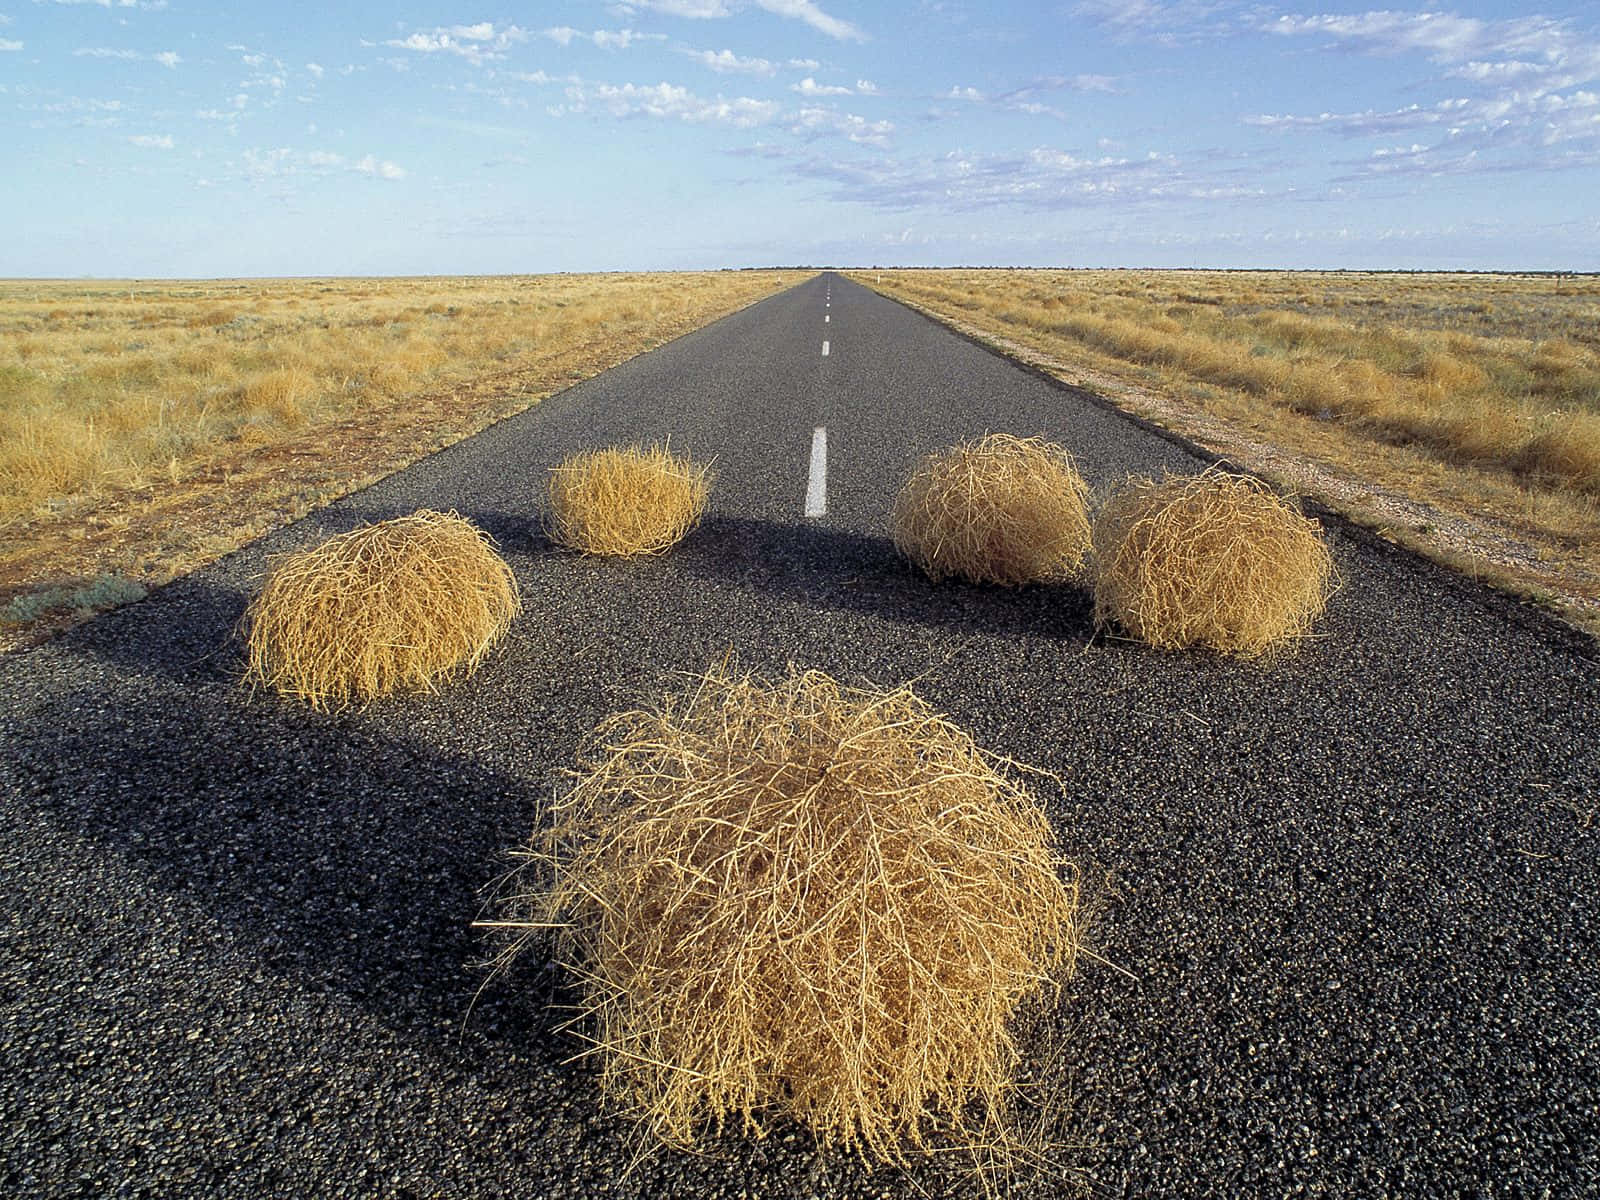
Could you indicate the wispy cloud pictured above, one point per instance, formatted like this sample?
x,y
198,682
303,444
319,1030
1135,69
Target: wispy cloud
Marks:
x,y
1447,37
9,44
284,162
153,141
671,102
604,39
810,87
1043,179
477,44
1528,103
799,10
817,121
149,5
726,62
167,58
1166,21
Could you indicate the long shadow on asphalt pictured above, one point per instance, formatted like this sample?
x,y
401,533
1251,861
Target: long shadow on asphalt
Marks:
x,y
341,860
836,569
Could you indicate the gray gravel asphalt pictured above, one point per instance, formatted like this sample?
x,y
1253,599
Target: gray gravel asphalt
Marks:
x,y
1351,898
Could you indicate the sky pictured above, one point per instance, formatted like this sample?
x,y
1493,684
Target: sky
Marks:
x,y
173,138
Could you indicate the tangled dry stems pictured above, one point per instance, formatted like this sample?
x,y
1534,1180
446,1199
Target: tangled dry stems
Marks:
x,y
625,501
1003,510
1213,559
799,899
397,605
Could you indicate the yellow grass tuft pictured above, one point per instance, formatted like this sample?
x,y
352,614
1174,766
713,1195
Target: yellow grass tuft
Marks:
x,y
795,899
398,605
1003,510
625,501
1212,560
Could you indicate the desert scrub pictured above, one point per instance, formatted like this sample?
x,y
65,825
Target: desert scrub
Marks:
x,y
399,605
623,502
108,385
1003,510
1215,560
791,898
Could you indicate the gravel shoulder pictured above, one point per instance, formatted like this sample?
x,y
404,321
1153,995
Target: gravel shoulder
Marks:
x,y
1348,900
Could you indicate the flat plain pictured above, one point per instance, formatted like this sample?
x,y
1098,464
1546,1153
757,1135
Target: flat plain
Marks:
x,y
149,426
1459,414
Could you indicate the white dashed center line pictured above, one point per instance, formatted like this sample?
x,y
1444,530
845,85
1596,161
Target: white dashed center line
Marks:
x,y
826,318
824,349
817,484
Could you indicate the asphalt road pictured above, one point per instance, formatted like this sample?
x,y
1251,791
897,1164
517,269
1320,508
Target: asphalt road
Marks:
x,y
1351,898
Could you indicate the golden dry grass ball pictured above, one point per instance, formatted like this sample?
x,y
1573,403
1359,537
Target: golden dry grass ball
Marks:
x,y
1213,560
395,606
625,501
797,899
1002,510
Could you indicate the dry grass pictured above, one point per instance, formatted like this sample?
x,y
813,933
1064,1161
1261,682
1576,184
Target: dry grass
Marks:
x,y
395,606
1212,560
148,427
1003,510
625,501
794,899
1458,413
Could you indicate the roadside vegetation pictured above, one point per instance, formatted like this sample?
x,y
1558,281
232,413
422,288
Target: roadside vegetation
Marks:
x,y
147,427
1472,396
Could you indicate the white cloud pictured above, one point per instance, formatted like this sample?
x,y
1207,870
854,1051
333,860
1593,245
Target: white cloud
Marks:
x,y
810,87
8,44
1165,21
1372,121
316,69
604,39
668,101
153,141
804,64
284,162
1045,179
964,93
726,62
805,11
1447,37
167,58
698,10
477,44
78,104
370,165
816,121
1528,104
866,87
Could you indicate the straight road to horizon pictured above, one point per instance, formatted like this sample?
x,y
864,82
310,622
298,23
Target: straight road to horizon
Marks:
x,y
1349,899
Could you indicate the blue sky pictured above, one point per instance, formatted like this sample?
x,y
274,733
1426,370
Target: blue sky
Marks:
x,y
173,138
